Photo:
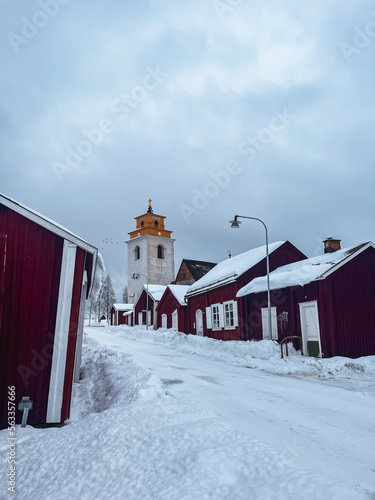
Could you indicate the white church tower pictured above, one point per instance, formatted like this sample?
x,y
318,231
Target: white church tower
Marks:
x,y
150,253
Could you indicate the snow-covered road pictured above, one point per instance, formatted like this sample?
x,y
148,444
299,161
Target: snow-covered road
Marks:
x,y
322,427
161,415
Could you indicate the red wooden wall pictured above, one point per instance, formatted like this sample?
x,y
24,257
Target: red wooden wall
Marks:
x,y
346,308
141,306
167,305
30,266
285,254
30,259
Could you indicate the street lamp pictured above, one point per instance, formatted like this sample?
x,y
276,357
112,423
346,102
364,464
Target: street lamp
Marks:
x,y
135,277
236,224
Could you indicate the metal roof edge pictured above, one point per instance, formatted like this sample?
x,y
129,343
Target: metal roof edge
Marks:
x,y
205,288
335,267
47,223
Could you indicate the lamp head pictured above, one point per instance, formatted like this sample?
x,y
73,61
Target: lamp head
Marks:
x,y
235,223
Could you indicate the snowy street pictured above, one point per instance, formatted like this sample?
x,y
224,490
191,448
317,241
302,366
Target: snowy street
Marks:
x,y
161,415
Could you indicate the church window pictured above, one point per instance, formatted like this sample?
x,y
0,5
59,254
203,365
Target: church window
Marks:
x,y
156,223
160,252
137,253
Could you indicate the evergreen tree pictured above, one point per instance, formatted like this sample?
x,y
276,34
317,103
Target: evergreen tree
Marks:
x,y
125,296
106,299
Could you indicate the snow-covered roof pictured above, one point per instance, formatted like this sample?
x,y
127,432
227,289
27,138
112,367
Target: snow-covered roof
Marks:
x,y
128,313
303,272
52,226
47,223
123,307
179,291
229,270
155,291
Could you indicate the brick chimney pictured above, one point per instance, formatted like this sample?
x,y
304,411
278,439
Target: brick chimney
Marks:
x,y
331,245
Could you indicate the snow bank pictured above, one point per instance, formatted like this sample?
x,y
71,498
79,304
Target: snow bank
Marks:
x,y
264,354
128,438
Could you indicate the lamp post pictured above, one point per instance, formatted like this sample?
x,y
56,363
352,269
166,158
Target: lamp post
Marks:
x,y
135,277
236,224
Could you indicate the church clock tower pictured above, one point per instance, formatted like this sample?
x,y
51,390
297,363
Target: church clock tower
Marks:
x,y
150,253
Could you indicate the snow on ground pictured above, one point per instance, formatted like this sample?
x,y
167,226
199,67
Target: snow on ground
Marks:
x,y
162,415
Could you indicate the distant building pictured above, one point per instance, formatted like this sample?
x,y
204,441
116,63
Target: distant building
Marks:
x,y
172,309
150,254
117,316
145,308
192,270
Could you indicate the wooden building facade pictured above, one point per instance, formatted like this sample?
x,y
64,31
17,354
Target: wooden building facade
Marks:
x,y
213,309
329,301
46,274
172,309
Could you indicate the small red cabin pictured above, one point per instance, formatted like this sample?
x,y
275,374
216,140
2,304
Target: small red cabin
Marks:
x,y
46,274
328,301
172,309
118,314
146,305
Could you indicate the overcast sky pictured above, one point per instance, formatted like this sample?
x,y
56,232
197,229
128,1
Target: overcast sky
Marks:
x,y
210,108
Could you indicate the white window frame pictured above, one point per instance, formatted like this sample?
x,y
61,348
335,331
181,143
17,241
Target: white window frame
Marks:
x,y
164,321
234,323
217,314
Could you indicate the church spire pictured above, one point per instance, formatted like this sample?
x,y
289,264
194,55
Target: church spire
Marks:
x,y
150,211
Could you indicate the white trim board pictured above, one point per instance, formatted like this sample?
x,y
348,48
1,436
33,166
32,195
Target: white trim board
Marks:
x,y
60,345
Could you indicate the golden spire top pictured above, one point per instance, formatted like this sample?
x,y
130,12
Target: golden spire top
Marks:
x,y
149,206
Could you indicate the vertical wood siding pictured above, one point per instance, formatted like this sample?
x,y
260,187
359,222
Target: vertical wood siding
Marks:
x,y
167,305
346,308
29,294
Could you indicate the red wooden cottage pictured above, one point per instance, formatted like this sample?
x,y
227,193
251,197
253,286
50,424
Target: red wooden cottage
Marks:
x,y
149,304
46,274
117,316
328,300
213,309
172,309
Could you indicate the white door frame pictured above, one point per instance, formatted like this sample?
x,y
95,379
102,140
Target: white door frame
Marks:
x,y
199,322
303,306
275,333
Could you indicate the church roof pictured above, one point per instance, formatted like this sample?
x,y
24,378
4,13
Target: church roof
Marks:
x,y
198,268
